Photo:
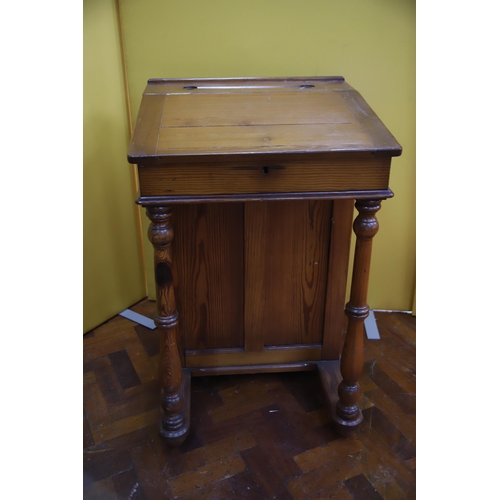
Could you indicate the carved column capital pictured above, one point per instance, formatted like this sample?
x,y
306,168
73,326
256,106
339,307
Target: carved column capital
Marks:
x,y
366,224
160,231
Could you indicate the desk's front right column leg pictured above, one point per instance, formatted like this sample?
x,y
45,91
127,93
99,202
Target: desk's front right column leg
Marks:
x,y
174,423
348,415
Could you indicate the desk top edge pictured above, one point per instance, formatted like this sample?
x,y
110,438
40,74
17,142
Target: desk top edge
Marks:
x,y
140,158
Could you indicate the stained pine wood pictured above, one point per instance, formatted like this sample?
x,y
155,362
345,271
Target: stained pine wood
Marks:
x,y
248,358
262,137
303,115
197,110
338,267
237,85
253,368
260,281
175,389
376,194
265,175
286,249
253,436
348,414
208,274
150,116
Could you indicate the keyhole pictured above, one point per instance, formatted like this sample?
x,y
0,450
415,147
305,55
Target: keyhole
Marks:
x,y
265,170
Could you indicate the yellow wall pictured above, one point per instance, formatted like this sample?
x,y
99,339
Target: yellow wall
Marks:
x,y
369,42
113,269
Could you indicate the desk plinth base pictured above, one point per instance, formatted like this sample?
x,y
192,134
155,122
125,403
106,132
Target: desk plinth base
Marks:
x,y
329,372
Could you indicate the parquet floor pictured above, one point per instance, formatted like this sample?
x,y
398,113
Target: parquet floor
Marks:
x,y
252,436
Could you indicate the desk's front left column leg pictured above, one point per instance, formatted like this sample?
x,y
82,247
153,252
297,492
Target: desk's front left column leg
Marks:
x,y
174,423
348,415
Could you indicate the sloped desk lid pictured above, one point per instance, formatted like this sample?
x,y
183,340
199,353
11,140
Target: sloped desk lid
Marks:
x,y
186,118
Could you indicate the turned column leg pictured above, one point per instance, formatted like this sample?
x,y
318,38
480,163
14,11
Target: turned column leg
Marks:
x,y
174,425
348,415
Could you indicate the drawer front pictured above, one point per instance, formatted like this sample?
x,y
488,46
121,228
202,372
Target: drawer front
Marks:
x,y
265,176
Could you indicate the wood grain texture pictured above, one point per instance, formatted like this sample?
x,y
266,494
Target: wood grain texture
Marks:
x,y
256,215
174,421
124,369
256,115
248,358
243,85
261,139
265,175
274,425
248,109
192,480
360,488
299,195
324,477
259,84
348,415
268,368
375,128
147,125
278,138
286,254
338,267
208,274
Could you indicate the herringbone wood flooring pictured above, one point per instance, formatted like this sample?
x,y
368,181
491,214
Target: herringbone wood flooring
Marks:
x,y
252,436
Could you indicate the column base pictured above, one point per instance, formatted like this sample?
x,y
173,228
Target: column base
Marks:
x,y
347,427
330,376
178,436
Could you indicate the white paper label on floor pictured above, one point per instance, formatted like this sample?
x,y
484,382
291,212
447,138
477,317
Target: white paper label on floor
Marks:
x,y
371,328
138,318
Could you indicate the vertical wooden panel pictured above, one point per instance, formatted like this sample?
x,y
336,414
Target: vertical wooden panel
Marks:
x,y
208,274
286,255
337,277
255,294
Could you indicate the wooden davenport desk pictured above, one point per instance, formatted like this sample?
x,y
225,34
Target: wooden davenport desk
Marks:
x,y
257,178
